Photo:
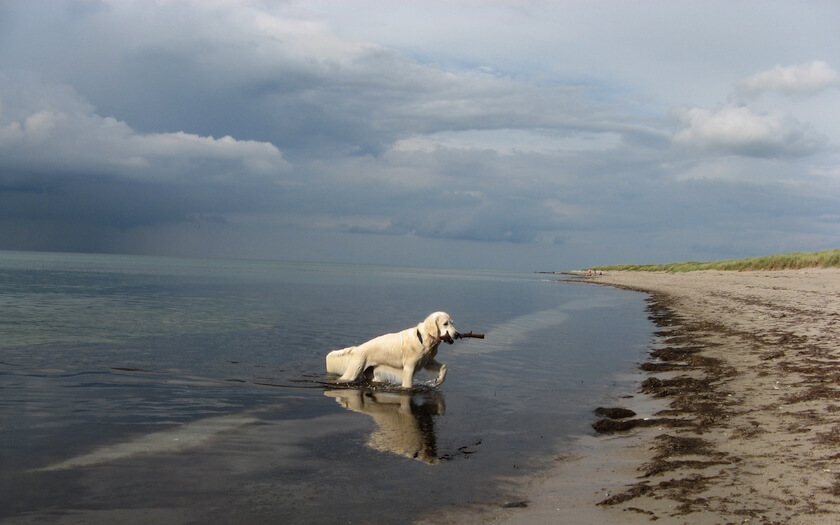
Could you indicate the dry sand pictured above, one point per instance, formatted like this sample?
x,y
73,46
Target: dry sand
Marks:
x,y
738,415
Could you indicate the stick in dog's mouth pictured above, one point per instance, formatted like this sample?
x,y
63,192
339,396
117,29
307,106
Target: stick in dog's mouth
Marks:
x,y
449,339
469,334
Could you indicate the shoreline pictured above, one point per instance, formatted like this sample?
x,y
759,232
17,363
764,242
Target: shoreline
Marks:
x,y
746,416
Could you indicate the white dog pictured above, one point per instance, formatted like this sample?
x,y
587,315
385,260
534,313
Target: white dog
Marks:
x,y
396,356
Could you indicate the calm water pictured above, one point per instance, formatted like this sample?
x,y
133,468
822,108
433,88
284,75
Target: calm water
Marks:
x,y
193,391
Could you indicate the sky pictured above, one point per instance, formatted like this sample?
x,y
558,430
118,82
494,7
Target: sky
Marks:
x,y
497,134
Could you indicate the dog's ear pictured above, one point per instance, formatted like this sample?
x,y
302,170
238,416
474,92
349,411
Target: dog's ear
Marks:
x,y
431,326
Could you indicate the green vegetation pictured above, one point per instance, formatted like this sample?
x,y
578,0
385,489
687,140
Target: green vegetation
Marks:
x,y
787,261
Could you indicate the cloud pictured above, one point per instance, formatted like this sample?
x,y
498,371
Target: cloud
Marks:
x,y
739,131
799,79
46,133
209,123
282,75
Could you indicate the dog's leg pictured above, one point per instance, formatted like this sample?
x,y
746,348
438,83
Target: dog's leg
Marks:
x,y
355,366
435,367
408,374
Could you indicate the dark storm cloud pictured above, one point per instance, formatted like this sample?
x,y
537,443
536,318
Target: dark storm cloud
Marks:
x,y
219,126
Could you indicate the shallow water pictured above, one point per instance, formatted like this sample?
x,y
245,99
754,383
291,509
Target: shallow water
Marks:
x,y
156,389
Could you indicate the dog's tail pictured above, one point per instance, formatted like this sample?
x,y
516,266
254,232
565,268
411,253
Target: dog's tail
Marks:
x,y
337,360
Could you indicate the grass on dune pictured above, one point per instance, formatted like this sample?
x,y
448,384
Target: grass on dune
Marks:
x,y
787,261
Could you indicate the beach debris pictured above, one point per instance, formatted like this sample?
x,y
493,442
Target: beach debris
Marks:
x,y
672,387
634,491
607,425
615,412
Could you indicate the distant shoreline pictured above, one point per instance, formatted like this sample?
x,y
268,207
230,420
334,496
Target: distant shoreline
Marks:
x,y
744,372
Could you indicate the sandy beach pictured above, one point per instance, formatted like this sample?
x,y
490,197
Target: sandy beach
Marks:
x,y
737,409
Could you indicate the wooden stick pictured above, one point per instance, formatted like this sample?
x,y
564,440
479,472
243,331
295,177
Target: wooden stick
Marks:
x,y
469,334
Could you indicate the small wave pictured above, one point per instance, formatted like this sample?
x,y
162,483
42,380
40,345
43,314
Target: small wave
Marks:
x,y
129,369
53,373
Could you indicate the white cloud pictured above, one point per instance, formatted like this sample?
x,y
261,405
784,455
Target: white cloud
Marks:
x,y
511,141
251,153
302,38
808,78
72,138
740,131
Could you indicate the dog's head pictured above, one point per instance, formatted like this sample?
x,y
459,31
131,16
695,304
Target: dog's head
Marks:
x,y
440,326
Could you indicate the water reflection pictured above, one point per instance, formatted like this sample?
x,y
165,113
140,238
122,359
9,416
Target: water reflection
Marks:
x,y
405,420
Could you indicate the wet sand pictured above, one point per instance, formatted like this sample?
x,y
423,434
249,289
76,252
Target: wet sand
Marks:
x,y
737,412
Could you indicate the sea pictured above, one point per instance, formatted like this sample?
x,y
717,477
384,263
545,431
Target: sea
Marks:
x,y
140,389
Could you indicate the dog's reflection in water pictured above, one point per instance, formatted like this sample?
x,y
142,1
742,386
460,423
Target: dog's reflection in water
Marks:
x,y
405,420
